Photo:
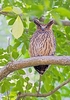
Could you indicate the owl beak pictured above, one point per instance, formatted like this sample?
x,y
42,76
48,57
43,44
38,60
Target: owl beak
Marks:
x,y
42,29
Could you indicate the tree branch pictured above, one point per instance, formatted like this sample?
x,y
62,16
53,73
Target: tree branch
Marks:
x,y
45,94
64,22
34,61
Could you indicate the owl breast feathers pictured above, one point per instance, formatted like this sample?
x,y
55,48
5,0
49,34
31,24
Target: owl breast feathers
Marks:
x,y
42,43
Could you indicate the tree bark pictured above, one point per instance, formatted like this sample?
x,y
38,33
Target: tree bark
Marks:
x,y
34,61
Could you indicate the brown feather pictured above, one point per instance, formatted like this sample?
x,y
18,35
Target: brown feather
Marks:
x,y
42,43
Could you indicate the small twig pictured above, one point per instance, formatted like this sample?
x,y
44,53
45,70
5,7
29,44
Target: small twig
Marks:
x,y
39,84
9,51
3,13
45,94
8,95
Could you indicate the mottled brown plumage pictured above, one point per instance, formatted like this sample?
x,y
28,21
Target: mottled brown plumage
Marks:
x,y
42,43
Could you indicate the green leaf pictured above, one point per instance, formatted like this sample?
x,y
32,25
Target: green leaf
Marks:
x,y
58,95
56,17
17,44
54,97
47,86
7,9
17,28
17,10
23,50
15,54
27,22
34,89
27,79
43,89
47,3
5,86
22,72
11,21
11,2
30,70
27,55
29,85
15,76
1,51
67,29
12,94
65,91
47,82
19,85
63,11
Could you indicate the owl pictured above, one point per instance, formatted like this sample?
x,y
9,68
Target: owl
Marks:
x,y
42,43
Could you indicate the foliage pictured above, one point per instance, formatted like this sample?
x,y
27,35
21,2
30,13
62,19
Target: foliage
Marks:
x,y
19,14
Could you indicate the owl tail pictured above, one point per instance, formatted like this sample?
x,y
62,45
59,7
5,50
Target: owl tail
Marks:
x,y
41,68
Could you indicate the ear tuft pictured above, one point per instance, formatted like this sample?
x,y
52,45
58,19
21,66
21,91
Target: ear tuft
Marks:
x,y
37,22
50,23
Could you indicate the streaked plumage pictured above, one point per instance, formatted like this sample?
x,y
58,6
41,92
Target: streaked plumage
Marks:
x,y
42,43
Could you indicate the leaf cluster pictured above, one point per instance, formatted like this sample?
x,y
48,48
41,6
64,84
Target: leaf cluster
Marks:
x,y
19,14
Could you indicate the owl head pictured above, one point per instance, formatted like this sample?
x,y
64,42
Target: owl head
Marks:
x,y
43,27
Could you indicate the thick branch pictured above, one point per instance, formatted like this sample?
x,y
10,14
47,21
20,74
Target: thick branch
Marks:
x,y
64,22
34,61
45,94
